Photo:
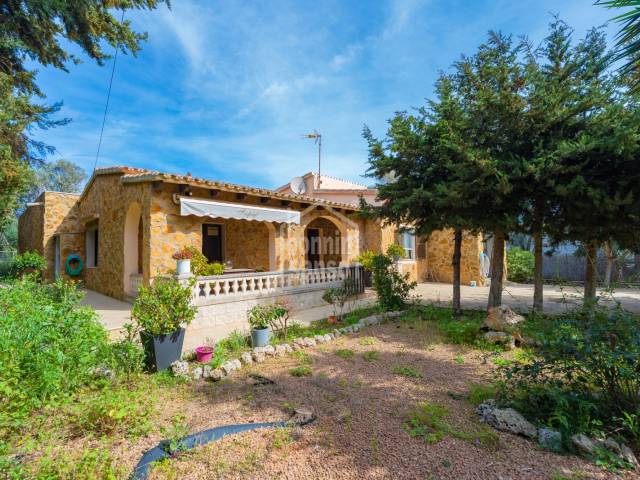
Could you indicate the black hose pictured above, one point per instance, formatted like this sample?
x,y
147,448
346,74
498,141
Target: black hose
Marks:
x,y
162,450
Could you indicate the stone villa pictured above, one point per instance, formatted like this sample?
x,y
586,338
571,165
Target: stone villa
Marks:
x,y
127,223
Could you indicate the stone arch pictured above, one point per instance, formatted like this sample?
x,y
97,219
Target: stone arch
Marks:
x,y
329,249
132,246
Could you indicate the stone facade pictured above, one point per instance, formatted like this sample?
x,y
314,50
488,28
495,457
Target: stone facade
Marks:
x,y
440,255
139,228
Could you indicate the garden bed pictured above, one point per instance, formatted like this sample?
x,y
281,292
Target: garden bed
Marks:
x,y
391,402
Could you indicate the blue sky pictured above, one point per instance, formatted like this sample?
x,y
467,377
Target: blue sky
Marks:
x,y
224,89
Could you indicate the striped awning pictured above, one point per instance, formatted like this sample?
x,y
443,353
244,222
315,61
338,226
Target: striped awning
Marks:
x,y
237,211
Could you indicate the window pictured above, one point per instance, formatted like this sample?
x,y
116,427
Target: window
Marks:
x,y
407,240
91,244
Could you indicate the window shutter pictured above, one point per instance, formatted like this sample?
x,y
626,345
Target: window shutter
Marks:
x,y
422,250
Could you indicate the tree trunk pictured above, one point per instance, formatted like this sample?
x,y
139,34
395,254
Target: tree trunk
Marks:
x,y
538,283
457,253
591,271
497,269
608,251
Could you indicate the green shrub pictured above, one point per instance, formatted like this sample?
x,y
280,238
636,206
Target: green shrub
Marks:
x,y
392,288
163,307
371,356
49,345
90,464
200,265
345,353
301,371
111,411
520,264
462,330
27,262
480,393
407,371
219,356
366,259
428,421
235,342
585,374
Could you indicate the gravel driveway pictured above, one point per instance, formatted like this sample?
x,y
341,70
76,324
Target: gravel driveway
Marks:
x,y
360,406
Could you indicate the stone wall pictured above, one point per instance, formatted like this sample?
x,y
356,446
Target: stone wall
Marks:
x,y
440,254
108,201
31,228
214,322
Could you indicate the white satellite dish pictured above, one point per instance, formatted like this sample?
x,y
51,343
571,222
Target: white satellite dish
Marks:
x,y
298,186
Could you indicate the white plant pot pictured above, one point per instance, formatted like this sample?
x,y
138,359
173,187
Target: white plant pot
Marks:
x,y
184,266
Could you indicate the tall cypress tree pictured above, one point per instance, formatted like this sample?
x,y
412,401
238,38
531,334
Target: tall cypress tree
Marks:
x,y
430,166
491,86
565,86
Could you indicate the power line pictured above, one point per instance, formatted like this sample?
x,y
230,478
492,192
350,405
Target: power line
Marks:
x,y
106,106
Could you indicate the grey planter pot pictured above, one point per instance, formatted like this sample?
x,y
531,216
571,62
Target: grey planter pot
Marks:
x,y
260,338
160,351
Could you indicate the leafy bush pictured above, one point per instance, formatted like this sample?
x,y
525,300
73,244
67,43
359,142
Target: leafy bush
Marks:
x,y
391,287
235,342
263,316
49,345
585,375
366,259
301,371
336,297
200,265
163,307
27,262
112,410
520,264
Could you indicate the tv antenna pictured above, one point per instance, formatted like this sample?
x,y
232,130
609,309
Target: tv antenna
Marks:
x,y
317,138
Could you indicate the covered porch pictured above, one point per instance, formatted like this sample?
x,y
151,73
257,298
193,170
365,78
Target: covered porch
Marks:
x,y
250,239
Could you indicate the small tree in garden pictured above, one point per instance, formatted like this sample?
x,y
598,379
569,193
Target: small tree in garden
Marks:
x,y
392,288
163,307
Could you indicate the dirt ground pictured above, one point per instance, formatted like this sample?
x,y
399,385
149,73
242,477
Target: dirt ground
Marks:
x,y
361,407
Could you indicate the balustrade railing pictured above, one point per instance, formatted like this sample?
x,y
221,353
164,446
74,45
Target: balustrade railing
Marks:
x,y
221,288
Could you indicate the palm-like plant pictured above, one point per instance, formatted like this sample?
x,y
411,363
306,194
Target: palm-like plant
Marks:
x,y
628,39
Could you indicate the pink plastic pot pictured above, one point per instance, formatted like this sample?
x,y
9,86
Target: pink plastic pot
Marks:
x,y
204,354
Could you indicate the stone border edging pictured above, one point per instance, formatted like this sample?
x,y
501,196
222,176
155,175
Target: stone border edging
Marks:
x,y
182,368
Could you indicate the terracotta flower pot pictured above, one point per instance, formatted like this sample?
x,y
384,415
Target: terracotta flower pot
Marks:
x,y
332,319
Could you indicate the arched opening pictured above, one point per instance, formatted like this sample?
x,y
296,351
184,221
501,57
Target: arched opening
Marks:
x,y
323,243
132,249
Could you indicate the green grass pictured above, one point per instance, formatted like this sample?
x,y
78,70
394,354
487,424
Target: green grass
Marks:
x,y
479,393
234,343
459,359
301,371
367,341
461,331
428,421
345,353
302,357
407,371
371,356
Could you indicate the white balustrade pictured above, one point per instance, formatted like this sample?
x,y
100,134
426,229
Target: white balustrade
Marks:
x,y
225,288
135,280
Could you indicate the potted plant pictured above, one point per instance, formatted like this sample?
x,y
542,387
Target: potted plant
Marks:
x,y
259,318
204,353
183,258
161,311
